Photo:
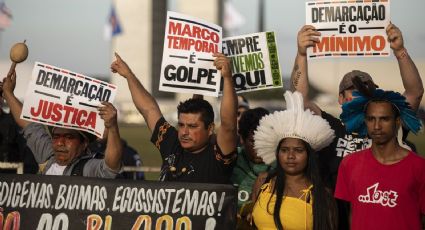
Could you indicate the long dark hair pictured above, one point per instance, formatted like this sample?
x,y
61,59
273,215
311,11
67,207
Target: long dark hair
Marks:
x,y
324,207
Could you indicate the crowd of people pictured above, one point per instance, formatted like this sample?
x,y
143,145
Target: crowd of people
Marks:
x,y
290,167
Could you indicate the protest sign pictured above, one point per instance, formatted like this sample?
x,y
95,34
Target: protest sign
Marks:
x,y
255,62
59,97
50,202
187,61
349,28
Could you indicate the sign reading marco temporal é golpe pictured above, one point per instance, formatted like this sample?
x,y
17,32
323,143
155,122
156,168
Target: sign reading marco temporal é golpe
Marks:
x,y
187,61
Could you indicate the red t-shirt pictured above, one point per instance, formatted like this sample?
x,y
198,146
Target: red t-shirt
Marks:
x,y
383,196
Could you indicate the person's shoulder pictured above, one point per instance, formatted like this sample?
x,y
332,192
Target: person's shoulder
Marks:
x,y
35,129
356,156
162,128
416,165
416,155
214,146
417,158
162,123
268,186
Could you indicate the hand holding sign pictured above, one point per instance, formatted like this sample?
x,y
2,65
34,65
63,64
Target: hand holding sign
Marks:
x,y
395,38
307,37
108,113
9,83
64,98
18,54
119,66
222,63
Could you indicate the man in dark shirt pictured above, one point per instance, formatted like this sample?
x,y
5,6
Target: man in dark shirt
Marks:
x,y
13,147
191,153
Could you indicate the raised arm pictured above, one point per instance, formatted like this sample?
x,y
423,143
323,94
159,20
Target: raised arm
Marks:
x,y
143,100
113,151
226,134
15,105
412,82
307,37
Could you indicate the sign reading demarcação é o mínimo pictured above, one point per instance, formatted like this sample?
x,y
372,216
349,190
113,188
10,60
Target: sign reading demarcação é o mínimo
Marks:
x,y
255,62
50,202
59,97
349,28
187,61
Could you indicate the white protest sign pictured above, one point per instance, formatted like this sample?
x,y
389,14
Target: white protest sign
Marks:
x,y
187,61
349,28
255,62
59,97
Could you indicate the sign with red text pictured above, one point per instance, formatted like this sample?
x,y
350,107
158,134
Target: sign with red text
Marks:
x,y
349,28
187,61
255,62
53,202
62,98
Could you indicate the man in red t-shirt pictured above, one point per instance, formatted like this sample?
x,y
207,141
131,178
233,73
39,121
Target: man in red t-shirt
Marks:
x,y
384,184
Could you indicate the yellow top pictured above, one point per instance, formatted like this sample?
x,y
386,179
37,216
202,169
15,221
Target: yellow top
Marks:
x,y
295,213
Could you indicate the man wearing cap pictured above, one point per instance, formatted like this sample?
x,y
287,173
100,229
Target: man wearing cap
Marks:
x,y
346,83
66,150
346,143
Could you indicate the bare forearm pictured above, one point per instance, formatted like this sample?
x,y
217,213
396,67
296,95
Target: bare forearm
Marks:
x,y
412,82
114,150
229,103
144,101
228,110
15,108
300,83
299,76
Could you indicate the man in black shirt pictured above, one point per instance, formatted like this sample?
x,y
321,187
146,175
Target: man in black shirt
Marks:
x,y
191,153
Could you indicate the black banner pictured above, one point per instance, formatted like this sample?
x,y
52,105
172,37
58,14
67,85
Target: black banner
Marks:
x,y
59,202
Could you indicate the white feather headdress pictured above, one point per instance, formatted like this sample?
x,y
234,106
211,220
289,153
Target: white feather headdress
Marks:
x,y
293,122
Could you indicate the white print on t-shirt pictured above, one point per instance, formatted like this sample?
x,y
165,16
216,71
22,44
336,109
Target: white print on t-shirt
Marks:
x,y
349,144
56,169
375,196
